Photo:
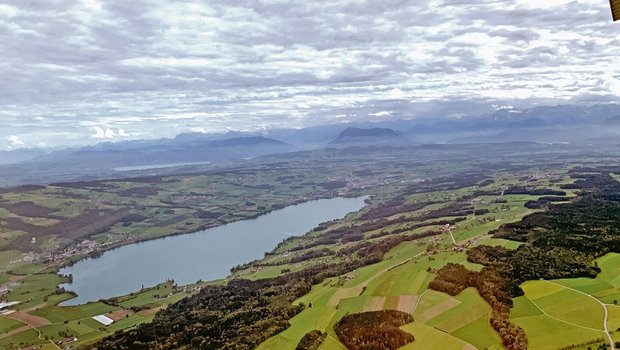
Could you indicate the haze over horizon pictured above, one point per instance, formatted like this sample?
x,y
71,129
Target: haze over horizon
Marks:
x,y
80,72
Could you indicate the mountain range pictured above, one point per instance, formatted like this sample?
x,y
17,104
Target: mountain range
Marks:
x,y
586,125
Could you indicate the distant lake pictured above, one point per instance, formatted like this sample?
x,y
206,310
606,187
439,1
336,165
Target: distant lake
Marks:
x,y
156,166
206,255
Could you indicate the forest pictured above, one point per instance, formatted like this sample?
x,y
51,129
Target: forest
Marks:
x,y
311,340
561,242
374,330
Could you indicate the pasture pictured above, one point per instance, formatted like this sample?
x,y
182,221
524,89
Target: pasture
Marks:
x,y
401,281
567,312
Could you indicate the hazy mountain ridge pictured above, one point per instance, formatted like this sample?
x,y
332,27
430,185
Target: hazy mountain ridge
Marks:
x,y
595,124
246,141
20,155
167,150
615,120
101,161
353,136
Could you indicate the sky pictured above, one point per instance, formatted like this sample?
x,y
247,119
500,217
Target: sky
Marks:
x,y
80,72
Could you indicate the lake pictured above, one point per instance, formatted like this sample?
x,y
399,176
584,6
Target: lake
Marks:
x,y
207,254
156,166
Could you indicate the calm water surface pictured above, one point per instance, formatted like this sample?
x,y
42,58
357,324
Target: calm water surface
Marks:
x,y
206,255
156,166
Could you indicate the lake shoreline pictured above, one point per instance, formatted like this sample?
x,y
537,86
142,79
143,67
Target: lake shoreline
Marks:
x,y
116,245
207,226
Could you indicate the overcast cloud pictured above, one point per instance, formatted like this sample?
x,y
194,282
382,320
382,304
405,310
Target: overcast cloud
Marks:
x,y
77,72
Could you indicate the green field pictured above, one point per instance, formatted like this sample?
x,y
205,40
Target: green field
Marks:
x,y
77,320
400,282
9,324
558,313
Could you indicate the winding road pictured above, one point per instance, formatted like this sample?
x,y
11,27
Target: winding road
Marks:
x,y
611,340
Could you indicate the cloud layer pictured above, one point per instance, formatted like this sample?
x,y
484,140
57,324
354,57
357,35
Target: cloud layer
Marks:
x,y
79,71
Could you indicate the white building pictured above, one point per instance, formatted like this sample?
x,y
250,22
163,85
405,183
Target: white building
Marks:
x,y
103,319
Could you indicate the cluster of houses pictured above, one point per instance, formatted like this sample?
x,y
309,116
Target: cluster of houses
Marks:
x,y
191,197
84,247
65,342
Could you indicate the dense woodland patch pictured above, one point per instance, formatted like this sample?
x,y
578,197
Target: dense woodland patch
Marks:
x,y
374,330
312,340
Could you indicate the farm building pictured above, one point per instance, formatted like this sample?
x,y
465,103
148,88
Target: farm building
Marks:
x,y
7,305
103,319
